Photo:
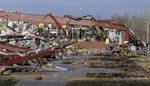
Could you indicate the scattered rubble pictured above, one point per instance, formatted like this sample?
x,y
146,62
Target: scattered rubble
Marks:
x,y
30,43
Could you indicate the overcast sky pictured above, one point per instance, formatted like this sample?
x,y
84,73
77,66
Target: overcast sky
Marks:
x,y
103,8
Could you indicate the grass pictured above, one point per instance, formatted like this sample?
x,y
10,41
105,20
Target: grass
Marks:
x,y
108,82
138,59
7,81
141,59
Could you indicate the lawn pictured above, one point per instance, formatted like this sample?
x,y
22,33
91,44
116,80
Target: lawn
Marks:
x,y
7,81
109,82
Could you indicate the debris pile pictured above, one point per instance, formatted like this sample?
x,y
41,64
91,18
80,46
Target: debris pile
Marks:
x,y
30,42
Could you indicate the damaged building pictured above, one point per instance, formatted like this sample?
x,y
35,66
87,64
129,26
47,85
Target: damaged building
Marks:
x,y
30,37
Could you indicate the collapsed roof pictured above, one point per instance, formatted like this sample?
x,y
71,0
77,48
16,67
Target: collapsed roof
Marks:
x,y
14,58
35,19
56,20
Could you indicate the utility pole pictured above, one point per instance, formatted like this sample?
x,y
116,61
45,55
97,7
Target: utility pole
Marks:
x,y
147,37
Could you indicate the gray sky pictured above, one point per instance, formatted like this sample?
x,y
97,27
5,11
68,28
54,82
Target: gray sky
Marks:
x,y
103,8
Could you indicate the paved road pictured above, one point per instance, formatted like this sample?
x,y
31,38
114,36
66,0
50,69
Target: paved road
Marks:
x,y
51,78
51,81
59,78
